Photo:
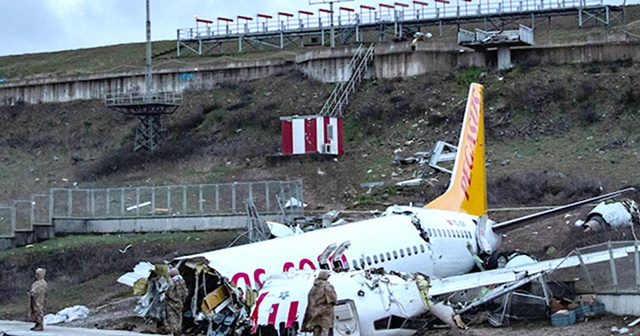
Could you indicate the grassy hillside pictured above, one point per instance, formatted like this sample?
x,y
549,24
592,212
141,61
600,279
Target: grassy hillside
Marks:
x,y
569,128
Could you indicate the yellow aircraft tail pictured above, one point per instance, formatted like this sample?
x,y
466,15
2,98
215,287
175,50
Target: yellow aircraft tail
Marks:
x,y
467,190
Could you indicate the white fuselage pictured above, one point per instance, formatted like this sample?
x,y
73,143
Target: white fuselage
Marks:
x,y
391,241
375,297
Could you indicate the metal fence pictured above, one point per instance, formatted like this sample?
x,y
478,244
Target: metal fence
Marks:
x,y
367,15
6,222
270,197
184,200
614,276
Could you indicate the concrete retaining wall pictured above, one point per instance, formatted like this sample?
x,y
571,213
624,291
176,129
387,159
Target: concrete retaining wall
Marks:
x,y
392,60
68,88
621,304
395,60
62,226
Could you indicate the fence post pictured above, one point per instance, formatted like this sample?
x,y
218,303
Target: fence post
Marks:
x,y
33,210
233,197
93,202
184,200
153,201
169,199
138,202
51,203
200,199
266,196
70,204
614,274
122,202
87,202
108,202
636,258
217,198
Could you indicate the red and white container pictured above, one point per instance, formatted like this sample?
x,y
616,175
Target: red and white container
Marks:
x,y
312,134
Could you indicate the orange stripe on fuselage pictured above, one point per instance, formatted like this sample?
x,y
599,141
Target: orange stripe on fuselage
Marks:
x,y
467,190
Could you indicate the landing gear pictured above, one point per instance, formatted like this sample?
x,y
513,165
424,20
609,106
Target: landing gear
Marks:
x,y
495,260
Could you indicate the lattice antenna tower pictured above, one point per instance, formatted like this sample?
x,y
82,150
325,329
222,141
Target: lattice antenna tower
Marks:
x,y
332,35
149,106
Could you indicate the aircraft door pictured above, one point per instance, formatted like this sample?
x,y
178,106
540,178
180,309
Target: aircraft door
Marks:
x,y
346,319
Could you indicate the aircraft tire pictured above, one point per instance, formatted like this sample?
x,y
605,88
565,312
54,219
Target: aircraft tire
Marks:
x,y
496,260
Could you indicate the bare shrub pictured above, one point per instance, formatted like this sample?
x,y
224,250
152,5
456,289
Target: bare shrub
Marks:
x,y
540,188
588,113
385,87
587,90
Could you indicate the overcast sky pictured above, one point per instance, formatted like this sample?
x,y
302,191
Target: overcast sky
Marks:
x,y
31,26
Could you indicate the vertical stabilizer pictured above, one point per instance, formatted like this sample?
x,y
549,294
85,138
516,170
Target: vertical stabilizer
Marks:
x,y
467,190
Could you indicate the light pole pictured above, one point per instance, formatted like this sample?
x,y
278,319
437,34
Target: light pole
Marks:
x,y
332,33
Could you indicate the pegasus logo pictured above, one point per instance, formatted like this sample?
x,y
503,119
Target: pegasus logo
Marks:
x,y
470,140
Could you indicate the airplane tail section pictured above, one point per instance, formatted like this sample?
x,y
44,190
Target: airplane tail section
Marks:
x,y
467,190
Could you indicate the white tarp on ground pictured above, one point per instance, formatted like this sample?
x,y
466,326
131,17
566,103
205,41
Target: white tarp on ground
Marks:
x,y
67,315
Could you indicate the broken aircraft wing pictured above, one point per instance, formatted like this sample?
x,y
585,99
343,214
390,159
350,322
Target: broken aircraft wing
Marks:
x,y
518,272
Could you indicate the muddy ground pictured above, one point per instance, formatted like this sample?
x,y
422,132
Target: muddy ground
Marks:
x,y
119,315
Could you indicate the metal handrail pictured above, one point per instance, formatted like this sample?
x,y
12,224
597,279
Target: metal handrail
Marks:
x,y
340,95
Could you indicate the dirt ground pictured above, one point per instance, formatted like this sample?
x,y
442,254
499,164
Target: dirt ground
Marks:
x,y
595,326
119,315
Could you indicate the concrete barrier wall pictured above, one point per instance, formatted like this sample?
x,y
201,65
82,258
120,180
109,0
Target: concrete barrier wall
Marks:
x,y
392,60
170,224
621,304
68,88
586,53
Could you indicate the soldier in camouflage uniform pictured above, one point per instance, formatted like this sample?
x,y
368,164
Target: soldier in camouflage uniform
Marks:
x,y
321,299
174,298
37,299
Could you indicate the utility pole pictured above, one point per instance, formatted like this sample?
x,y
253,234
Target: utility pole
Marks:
x,y
148,80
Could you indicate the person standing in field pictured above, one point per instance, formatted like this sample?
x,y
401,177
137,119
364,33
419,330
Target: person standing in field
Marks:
x,y
37,299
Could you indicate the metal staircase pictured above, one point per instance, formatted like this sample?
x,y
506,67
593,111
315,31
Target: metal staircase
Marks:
x,y
339,98
348,31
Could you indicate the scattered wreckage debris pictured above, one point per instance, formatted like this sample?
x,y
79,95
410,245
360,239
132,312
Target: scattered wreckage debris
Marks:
x,y
442,152
370,301
215,305
611,215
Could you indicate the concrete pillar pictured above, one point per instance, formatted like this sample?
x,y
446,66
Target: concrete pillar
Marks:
x,y
504,58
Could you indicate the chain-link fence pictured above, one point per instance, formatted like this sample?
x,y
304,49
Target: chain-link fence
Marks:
x,y
186,200
6,222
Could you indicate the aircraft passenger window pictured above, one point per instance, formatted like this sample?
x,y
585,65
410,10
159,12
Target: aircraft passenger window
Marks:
x,y
369,261
408,251
421,248
395,255
429,232
458,234
355,264
388,256
401,253
415,250
449,233
362,262
438,233
375,258
381,257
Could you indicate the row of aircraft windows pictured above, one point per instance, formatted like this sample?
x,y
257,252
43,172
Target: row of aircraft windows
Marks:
x,y
414,250
449,233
